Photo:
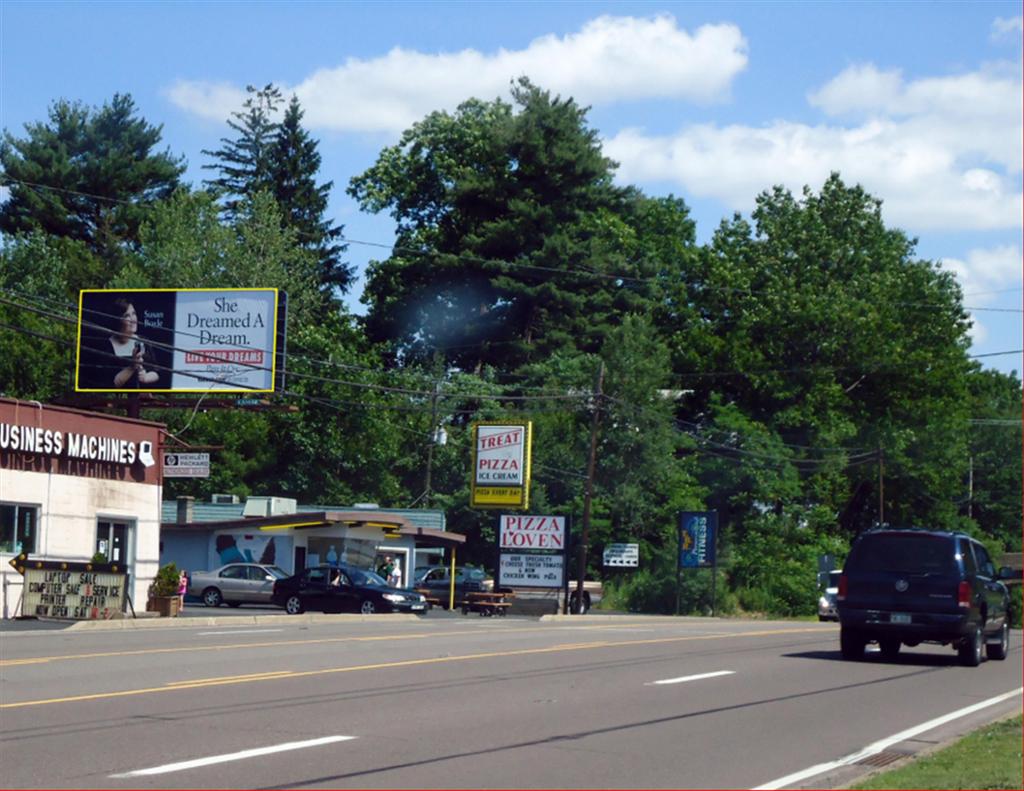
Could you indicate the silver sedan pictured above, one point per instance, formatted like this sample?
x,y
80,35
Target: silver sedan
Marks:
x,y
235,584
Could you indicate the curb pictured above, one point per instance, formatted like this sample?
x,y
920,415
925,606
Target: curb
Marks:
x,y
122,624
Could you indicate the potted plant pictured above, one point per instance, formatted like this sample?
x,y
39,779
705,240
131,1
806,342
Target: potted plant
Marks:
x,y
163,593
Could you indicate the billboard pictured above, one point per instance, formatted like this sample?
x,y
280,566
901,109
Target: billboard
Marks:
x,y
228,340
501,465
697,538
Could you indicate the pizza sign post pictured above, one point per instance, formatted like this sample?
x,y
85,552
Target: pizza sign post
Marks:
x,y
501,465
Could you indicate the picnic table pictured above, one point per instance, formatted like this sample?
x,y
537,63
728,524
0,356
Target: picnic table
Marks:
x,y
487,603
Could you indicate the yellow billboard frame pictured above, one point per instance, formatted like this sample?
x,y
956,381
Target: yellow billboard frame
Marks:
x,y
78,343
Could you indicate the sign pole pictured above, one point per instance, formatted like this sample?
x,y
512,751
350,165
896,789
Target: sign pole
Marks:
x,y
679,557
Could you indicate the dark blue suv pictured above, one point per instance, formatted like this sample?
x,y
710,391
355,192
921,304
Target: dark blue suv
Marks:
x,y
908,586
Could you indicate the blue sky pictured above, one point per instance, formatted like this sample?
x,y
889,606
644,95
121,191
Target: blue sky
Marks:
x,y
921,102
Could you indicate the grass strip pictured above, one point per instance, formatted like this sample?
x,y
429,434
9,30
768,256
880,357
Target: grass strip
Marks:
x,y
989,758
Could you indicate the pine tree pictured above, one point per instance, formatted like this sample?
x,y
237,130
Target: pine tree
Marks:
x,y
246,163
295,162
87,175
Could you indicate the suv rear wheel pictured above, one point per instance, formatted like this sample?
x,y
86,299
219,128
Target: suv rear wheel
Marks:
x,y
890,648
1002,648
970,648
851,644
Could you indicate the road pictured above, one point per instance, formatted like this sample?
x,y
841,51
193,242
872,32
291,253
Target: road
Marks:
x,y
469,702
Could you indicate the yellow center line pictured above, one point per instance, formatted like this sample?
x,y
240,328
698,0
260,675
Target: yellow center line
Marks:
x,y
223,647
271,644
277,675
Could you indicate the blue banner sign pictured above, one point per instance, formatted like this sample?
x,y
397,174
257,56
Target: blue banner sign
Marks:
x,y
697,538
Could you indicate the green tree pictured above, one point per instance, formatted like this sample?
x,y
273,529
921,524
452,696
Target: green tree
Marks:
x,y
993,489
501,251
37,331
826,330
294,164
89,175
245,164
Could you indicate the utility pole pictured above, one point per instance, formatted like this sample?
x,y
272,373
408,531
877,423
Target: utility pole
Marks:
x,y
881,486
970,486
430,446
591,462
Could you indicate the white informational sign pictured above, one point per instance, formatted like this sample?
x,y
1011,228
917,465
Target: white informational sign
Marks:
x,y
622,555
531,532
186,465
225,340
500,455
536,571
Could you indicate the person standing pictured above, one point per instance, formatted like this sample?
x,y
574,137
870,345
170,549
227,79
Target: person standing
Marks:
x,y
386,568
395,578
182,589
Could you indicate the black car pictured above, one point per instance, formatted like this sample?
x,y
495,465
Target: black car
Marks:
x,y
343,589
910,586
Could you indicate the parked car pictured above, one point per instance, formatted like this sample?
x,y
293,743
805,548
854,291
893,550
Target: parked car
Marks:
x,y
827,600
435,582
344,589
235,584
905,587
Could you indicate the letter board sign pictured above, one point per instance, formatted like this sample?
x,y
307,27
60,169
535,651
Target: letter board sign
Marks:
x,y
531,571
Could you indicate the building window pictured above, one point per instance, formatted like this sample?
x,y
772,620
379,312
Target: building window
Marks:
x,y
18,528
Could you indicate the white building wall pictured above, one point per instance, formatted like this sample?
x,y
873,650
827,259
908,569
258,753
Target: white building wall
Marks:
x,y
69,509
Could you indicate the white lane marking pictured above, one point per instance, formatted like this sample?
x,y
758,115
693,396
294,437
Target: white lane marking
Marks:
x,y
692,678
877,747
241,631
220,759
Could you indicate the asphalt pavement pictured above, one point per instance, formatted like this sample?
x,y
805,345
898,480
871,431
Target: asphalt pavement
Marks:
x,y
453,701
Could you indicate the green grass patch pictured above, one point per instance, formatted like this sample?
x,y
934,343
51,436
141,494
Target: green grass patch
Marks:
x,y
988,758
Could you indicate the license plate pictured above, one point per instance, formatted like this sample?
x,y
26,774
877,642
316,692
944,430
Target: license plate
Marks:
x,y
419,607
899,617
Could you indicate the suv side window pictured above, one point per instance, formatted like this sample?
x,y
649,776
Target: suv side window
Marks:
x,y
985,566
967,553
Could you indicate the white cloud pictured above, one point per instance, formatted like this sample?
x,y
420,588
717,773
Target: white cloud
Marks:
x,y
610,59
210,100
987,271
985,276
944,153
1007,28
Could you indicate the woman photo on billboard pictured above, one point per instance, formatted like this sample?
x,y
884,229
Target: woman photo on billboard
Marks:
x,y
130,353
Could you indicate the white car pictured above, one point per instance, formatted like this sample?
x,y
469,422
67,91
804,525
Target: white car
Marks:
x,y
827,600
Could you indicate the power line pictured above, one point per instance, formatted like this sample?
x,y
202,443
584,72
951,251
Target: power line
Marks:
x,y
469,258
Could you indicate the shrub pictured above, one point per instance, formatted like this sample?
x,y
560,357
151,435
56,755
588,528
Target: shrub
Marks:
x,y
1016,605
166,581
